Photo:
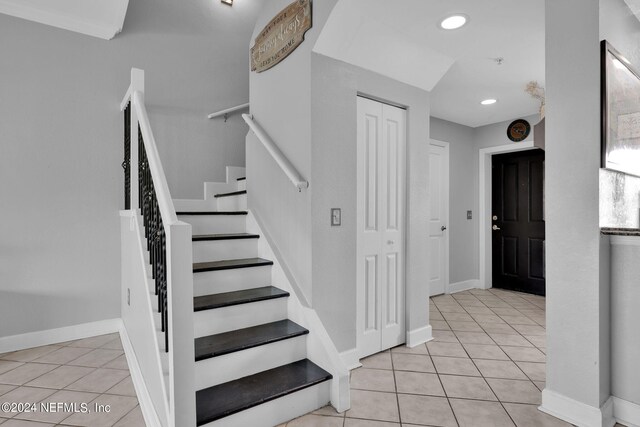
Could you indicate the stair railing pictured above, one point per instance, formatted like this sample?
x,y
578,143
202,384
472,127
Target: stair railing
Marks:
x,y
169,244
228,111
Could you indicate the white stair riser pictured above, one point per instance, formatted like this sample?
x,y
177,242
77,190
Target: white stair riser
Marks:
x,y
215,224
186,205
229,367
218,320
279,410
232,203
218,250
236,279
242,185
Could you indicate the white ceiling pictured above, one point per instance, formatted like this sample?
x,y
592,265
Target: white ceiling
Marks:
x,y
97,18
402,40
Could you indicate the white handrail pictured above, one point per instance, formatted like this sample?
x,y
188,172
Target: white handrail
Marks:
x,y
282,161
228,111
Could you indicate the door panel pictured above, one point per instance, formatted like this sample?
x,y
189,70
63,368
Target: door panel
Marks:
x,y
518,221
438,217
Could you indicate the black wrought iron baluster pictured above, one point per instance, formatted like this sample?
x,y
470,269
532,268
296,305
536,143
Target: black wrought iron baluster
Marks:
x,y
126,163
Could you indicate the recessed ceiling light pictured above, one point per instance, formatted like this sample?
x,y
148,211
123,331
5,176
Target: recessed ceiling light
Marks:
x,y
453,22
489,101
229,2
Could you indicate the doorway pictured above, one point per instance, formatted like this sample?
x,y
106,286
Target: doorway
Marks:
x,y
518,227
438,217
381,187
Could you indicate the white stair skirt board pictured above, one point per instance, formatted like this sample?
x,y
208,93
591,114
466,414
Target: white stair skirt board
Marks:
x,y
625,412
575,412
350,359
242,185
419,336
232,203
240,364
184,205
236,279
219,320
58,335
463,286
279,410
218,250
214,224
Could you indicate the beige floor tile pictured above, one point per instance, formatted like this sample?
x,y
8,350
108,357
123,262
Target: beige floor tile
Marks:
x,y
540,384
23,423
457,317
412,362
8,365
418,383
58,413
372,379
63,355
378,361
499,369
455,366
60,377
440,325
435,315
311,420
24,395
535,371
481,351
114,345
132,419
524,354
373,405
506,311
99,380
30,354
329,411
530,329
510,339
467,387
539,341
25,373
472,303
473,413
465,326
444,336
515,391
426,410
451,308
6,388
123,388
530,416
119,406
499,328
479,309
419,349
96,358
352,422
518,320
437,348
118,363
94,342
474,338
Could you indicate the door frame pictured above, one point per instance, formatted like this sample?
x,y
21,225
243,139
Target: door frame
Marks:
x,y
484,213
447,188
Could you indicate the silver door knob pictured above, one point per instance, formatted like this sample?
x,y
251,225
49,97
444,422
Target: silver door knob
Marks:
x,y
444,227
495,228
390,242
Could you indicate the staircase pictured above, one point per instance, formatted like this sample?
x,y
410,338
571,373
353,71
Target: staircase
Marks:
x,y
251,361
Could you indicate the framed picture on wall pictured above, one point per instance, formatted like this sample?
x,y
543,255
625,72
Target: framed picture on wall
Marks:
x,y
620,112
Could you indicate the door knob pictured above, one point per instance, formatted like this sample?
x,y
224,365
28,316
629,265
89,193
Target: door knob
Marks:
x,y
390,242
495,228
444,227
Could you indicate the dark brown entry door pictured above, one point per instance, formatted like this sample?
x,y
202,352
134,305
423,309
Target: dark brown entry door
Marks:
x,y
518,221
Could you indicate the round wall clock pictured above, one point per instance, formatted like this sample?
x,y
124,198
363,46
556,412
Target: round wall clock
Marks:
x,y
518,130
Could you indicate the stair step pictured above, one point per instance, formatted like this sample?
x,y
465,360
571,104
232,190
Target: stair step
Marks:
x,y
242,179
204,237
234,193
230,264
242,339
229,398
208,302
213,213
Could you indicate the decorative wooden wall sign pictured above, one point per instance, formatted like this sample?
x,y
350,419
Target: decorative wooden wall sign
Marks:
x,y
281,36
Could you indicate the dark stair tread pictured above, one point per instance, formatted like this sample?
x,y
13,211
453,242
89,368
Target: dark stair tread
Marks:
x,y
230,264
234,193
235,236
242,339
242,179
226,299
232,397
212,213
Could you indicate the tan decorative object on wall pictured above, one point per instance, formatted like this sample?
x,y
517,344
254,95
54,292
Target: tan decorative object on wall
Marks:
x,y
536,91
281,36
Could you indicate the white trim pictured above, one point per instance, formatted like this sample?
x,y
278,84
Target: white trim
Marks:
x,y
58,335
578,413
144,399
419,336
625,240
228,111
350,359
484,217
625,412
465,285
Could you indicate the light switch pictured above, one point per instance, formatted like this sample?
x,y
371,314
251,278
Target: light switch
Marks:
x,y
469,215
336,217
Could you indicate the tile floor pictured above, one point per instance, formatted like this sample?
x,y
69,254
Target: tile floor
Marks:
x,y
92,371
484,367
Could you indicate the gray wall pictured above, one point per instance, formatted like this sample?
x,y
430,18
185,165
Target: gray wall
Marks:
x,y
61,145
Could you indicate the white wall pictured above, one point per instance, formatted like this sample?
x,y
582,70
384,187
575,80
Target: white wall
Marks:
x,y
61,145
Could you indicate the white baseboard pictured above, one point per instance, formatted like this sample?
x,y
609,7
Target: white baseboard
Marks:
x,y
463,286
578,413
350,359
53,336
625,412
419,336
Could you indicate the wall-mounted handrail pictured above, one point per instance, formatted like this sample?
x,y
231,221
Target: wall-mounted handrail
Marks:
x,y
282,161
225,113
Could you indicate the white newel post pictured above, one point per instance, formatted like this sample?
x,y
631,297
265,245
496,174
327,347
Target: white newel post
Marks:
x,y
182,399
137,84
